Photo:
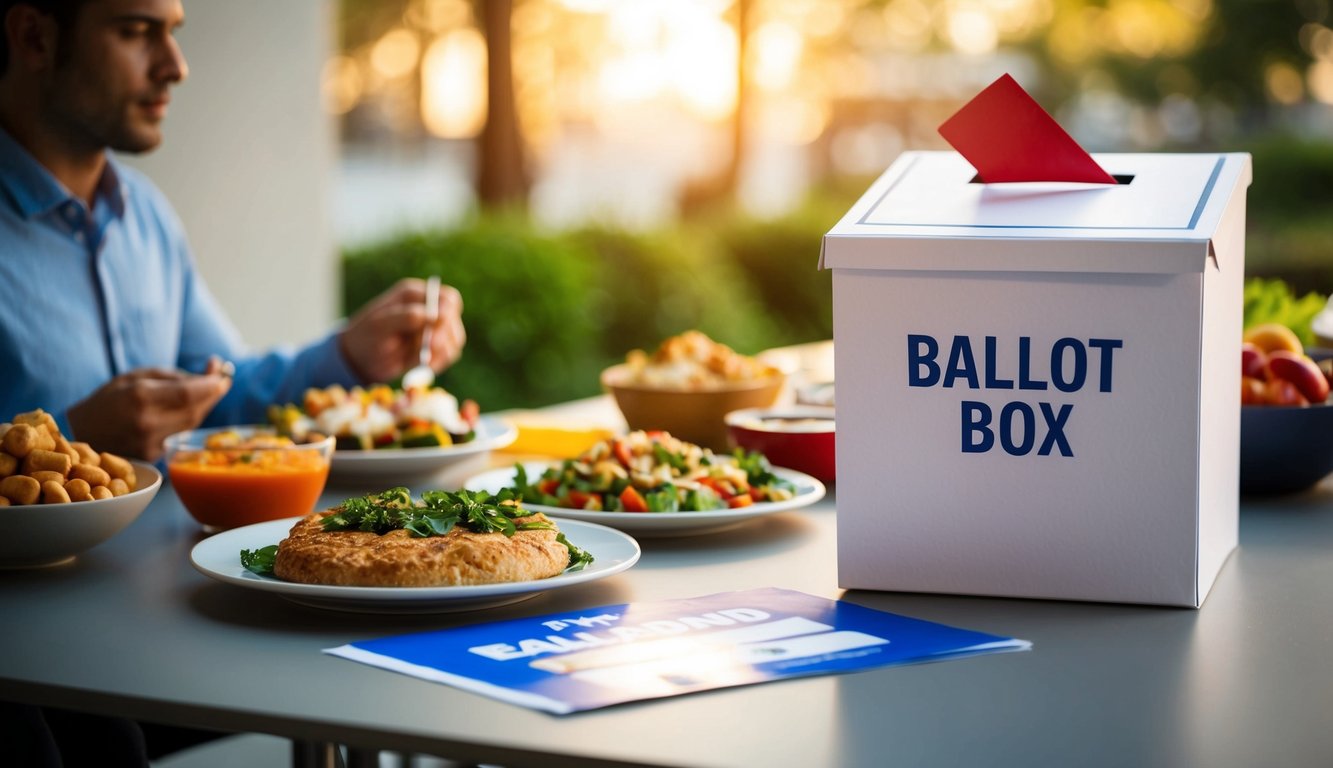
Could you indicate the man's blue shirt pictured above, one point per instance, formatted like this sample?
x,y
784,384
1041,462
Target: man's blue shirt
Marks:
x,y
88,295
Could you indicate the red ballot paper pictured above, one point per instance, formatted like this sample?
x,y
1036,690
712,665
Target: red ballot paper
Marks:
x,y
1006,135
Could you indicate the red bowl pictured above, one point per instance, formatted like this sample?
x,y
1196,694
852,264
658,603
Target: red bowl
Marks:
x,y
798,437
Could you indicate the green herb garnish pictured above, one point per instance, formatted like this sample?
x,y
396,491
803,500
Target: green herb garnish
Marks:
x,y
436,515
260,560
439,512
578,558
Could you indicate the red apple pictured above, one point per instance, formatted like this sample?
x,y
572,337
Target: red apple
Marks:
x,y
1252,360
1301,371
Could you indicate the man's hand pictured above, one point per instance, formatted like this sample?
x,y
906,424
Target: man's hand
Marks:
x,y
133,413
384,339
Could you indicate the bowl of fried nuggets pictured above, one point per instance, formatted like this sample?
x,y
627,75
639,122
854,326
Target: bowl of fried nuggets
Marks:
x,y
59,498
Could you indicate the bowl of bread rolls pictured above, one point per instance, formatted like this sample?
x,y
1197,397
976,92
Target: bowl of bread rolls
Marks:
x,y
60,498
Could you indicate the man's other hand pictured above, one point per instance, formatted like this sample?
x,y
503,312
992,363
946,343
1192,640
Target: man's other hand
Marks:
x,y
384,339
133,413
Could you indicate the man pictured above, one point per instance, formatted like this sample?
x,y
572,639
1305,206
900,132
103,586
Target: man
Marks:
x,y
104,320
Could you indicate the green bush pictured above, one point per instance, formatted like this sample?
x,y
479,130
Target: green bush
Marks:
x,y
1289,229
546,312
780,258
528,306
659,284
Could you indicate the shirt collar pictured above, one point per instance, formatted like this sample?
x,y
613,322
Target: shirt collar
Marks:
x,y
32,190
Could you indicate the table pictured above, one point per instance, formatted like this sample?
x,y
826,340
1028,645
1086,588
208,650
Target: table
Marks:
x,y
130,628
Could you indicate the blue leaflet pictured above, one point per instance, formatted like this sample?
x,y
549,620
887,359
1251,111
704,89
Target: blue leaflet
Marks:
x,y
568,662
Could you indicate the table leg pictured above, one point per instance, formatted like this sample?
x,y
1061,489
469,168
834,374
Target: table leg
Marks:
x,y
315,754
362,758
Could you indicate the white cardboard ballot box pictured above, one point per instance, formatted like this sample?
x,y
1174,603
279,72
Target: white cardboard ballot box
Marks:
x,y
1037,383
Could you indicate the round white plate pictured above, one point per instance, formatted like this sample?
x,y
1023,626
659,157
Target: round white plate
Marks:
x,y
649,524
391,463
219,557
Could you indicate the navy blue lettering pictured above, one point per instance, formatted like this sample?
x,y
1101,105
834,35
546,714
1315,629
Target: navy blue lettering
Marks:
x,y
1025,381
992,381
1075,382
1055,430
1107,347
922,370
961,363
1024,411
977,437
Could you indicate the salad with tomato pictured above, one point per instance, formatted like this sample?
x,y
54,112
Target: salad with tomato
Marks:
x,y
654,472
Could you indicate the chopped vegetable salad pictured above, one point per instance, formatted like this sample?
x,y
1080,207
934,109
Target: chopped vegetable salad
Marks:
x,y
654,472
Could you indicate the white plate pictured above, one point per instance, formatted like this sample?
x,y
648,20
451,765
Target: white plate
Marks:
x,y
219,557
648,524
391,464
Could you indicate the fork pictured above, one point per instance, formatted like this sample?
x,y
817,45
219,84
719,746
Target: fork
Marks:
x,y
422,376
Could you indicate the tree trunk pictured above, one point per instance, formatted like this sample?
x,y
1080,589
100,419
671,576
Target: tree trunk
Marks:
x,y
502,179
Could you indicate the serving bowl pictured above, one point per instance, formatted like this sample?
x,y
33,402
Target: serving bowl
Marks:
x,y
50,534
1284,449
798,437
227,477
695,415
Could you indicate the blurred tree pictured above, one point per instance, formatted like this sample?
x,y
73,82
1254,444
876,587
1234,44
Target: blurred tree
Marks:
x,y
1246,57
502,178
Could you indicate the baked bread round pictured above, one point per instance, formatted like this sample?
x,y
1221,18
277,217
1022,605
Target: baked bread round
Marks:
x,y
312,555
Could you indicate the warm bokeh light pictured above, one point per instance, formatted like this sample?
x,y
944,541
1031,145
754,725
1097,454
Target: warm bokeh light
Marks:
x,y
793,121
632,77
453,85
702,66
1320,43
1320,80
438,16
1284,83
776,53
537,91
824,87
1143,29
971,30
909,24
395,54
341,84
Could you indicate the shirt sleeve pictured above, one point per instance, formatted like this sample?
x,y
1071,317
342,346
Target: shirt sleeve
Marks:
x,y
279,375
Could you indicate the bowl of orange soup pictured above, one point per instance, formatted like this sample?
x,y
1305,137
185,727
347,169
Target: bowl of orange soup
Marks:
x,y
227,477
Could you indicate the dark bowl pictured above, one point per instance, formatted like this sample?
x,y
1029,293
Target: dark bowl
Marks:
x,y
1284,449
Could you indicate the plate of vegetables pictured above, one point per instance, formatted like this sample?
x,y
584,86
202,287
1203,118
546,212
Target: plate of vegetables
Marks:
x,y
391,434
652,484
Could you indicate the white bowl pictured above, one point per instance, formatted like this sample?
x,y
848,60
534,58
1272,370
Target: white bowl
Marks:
x,y
38,535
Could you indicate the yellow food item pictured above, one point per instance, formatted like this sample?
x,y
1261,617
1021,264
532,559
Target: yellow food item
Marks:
x,y
1271,337
54,493
555,440
79,490
37,463
20,489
